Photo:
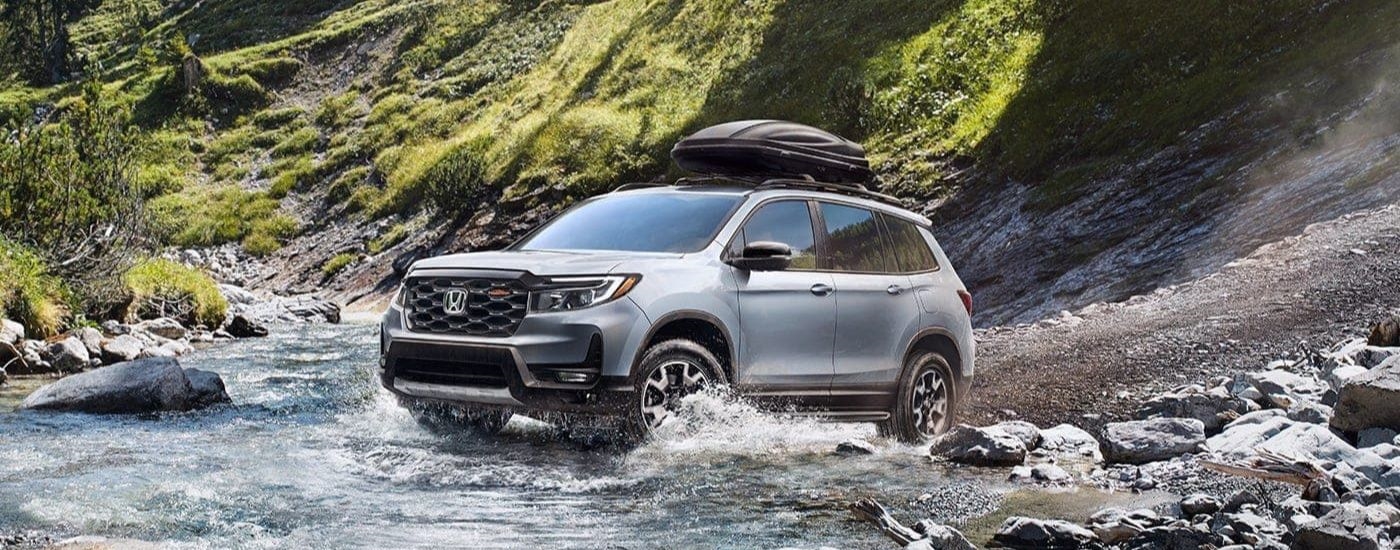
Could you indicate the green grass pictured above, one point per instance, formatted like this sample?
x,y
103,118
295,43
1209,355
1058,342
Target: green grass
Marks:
x,y
337,263
29,294
156,281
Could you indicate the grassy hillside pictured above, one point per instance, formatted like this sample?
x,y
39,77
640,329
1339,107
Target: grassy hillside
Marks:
x,y
337,109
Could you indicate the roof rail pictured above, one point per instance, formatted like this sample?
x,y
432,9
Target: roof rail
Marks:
x,y
641,185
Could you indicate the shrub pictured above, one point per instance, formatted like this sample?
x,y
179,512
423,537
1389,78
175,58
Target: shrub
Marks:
x,y
275,72
457,182
29,294
393,236
260,244
276,118
162,288
337,263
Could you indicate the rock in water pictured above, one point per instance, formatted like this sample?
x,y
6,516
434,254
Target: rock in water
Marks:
x,y
1021,532
208,387
141,386
312,309
855,447
1370,400
68,354
979,447
243,327
1142,441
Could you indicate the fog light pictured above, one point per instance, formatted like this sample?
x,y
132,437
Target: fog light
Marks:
x,y
574,377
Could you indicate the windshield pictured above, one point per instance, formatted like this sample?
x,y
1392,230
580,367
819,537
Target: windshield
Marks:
x,y
640,222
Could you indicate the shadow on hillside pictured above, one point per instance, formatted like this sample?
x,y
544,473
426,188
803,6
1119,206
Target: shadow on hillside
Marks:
x,y
214,27
809,66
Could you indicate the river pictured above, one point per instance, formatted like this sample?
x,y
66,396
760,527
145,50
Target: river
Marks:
x,y
314,454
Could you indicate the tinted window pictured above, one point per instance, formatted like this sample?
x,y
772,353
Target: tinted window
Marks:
x,y
854,241
650,222
787,222
910,250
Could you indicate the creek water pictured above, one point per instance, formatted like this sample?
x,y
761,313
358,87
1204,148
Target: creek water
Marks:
x,y
314,454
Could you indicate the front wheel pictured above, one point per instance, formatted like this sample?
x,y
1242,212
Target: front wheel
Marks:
x,y
926,400
668,372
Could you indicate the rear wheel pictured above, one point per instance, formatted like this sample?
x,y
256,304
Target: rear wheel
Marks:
x,y
926,401
668,372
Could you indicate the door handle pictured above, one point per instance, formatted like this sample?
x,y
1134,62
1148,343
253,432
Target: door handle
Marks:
x,y
821,289
894,290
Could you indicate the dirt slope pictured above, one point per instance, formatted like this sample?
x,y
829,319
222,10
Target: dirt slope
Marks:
x,y
1333,280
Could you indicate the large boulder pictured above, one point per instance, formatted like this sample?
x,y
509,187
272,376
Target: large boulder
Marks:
x,y
1385,333
1028,433
1022,532
208,387
68,354
979,447
1348,526
1283,388
311,309
11,332
1370,400
163,327
1214,407
1143,441
1069,442
122,348
92,340
141,386
1258,432
243,327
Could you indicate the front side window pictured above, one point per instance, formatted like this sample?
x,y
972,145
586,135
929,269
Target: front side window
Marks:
x,y
911,252
854,241
787,222
639,222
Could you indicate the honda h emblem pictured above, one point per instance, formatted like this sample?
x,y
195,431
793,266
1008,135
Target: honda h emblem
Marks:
x,y
454,302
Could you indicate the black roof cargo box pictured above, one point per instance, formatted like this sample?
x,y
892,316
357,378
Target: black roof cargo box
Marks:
x,y
772,148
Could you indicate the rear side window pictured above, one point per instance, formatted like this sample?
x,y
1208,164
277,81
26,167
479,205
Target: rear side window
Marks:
x,y
854,240
787,222
911,251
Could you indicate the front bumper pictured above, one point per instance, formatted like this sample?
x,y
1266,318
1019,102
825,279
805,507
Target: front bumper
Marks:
x,y
578,361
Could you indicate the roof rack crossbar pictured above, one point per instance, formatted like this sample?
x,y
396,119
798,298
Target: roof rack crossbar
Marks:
x,y
786,182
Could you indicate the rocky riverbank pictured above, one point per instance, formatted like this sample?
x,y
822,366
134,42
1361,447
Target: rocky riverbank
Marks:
x,y
1303,453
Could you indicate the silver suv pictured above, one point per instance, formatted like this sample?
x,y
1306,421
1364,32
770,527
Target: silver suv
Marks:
x,y
807,297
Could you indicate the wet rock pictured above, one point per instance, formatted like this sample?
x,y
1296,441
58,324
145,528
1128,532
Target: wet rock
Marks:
x,y
1022,532
163,327
141,386
1371,437
1283,388
1370,400
243,327
1069,441
208,387
68,354
312,309
122,348
1142,441
1028,433
1214,407
855,447
1385,333
1114,525
940,537
979,447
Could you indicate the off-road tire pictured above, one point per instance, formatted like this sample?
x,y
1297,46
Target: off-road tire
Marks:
x,y
679,357
908,421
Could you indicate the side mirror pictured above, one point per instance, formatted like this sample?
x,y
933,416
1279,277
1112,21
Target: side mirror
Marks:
x,y
764,256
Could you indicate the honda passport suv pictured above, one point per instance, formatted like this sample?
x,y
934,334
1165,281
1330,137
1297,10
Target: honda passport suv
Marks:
x,y
800,295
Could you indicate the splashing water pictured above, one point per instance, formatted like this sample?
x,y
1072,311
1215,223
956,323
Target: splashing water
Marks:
x,y
314,454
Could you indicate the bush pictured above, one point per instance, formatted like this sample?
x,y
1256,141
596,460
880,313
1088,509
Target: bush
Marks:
x,y
162,288
211,217
29,294
277,118
337,263
456,183
275,72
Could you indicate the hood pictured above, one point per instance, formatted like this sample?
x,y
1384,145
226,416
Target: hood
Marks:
x,y
539,262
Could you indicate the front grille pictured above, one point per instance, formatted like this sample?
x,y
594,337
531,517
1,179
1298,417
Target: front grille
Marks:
x,y
451,373
491,307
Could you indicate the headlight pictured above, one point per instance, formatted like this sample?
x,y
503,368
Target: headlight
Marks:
x,y
568,293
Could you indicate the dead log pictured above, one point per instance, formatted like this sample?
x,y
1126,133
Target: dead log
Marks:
x,y
1273,466
870,510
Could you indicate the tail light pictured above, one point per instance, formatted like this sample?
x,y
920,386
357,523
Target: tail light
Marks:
x,y
966,300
